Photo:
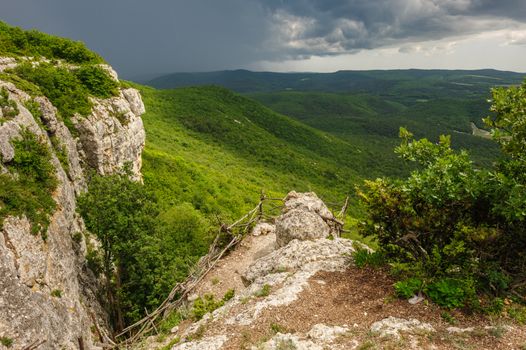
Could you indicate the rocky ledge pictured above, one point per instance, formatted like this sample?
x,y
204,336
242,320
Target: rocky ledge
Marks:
x,y
296,287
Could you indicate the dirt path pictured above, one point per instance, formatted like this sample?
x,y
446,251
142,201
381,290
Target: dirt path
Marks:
x,y
227,273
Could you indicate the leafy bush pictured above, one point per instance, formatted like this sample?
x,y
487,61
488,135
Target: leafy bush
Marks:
x,y
204,305
17,42
61,86
462,228
409,287
363,257
97,81
27,188
450,293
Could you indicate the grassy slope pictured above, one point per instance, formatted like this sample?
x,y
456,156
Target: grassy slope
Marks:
x,y
217,150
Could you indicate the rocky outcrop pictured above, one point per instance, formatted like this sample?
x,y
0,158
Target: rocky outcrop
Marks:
x,y
304,217
113,134
276,280
47,294
393,326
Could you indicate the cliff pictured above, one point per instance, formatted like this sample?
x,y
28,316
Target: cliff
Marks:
x,y
48,296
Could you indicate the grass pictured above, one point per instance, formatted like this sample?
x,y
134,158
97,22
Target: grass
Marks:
x,y
6,341
264,291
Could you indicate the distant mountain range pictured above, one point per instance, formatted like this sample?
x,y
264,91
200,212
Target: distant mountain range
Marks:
x,y
415,82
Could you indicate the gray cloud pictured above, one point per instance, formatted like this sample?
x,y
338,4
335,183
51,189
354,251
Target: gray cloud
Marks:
x,y
340,26
143,37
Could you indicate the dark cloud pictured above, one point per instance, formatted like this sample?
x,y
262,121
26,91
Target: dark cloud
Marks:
x,y
143,37
324,27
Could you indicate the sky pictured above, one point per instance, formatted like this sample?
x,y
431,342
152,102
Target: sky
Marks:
x,y
145,38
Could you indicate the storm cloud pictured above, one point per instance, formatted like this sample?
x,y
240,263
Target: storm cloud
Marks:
x,y
145,37
318,27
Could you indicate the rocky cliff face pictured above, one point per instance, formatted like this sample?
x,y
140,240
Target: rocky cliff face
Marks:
x,y
47,295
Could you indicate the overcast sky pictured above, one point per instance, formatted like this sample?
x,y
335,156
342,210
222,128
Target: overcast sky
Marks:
x,y
142,37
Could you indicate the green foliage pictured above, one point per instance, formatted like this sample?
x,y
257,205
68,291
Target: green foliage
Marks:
x,y
363,257
409,287
8,107
57,293
121,214
17,42
97,81
450,293
68,90
229,295
6,341
28,186
21,84
446,316
264,291
60,86
204,305
171,344
460,227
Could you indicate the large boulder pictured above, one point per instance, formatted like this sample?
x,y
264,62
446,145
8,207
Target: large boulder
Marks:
x,y
304,217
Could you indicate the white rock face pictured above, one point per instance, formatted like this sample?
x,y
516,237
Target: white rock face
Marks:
x,y
263,229
113,134
304,217
31,268
392,326
211,343
320,337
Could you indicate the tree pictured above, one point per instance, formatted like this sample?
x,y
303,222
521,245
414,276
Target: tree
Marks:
x,y
453,226
121,214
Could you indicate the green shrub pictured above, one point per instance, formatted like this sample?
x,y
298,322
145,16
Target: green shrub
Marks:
x,y
21,84
6,341
229,295
27,188
17,42
363,257
449,292
204,305
60,86
57,293
409,287
68,90
97,81
460,227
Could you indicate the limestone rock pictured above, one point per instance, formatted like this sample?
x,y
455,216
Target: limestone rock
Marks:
x,y
320,337
304,217
113,135
210,343
392,326
300,224
299,254
308,201
7,63
263,228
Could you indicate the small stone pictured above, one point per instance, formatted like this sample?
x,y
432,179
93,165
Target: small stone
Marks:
x,y
174,329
